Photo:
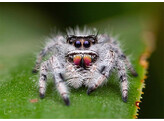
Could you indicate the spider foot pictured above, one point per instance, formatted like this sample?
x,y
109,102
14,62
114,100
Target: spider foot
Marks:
x,y
66,100
90,90
135,74
42,96
125,98
34,71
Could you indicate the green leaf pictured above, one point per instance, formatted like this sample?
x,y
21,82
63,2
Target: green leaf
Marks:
x,y
19,97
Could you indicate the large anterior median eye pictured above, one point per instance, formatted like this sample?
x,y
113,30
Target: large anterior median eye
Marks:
x,y
77,44
86,44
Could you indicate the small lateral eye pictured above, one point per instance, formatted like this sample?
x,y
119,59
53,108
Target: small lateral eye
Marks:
x,y
92,40
77,44
86,44
71,40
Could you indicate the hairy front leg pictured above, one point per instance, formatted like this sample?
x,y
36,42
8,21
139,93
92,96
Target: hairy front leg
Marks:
x,y
98,80
43,79
105,66
58,72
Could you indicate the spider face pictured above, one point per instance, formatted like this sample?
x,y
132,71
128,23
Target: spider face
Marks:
x,y
82,56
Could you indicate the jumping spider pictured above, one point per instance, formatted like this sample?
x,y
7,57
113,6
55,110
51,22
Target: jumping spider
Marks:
x,y
82,58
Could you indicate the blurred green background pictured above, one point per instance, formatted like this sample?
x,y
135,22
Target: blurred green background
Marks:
x,y
24,16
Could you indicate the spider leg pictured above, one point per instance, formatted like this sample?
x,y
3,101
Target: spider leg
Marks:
x,y
123,78
103,73
42,54
51,44
122,56
38,60
129,65
58,72
96,82
43,78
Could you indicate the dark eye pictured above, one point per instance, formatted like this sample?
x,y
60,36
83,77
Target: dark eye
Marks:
x,y
77,44
92,40
86,44
71,40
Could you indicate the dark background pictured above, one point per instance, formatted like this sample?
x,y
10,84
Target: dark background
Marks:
x,y
72,14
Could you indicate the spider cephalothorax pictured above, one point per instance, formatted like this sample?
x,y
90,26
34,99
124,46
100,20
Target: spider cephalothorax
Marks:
x,y
82,58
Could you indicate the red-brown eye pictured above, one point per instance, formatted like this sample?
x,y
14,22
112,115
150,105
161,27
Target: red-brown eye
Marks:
x,y
78,44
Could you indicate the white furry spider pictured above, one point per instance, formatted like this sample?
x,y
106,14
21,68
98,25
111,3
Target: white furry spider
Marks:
x,y
82,58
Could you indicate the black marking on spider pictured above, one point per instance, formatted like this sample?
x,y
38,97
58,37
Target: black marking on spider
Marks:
x,y
44,77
